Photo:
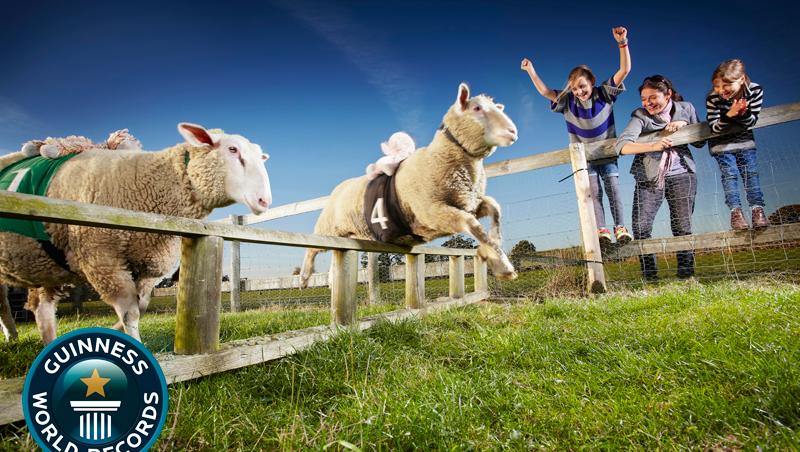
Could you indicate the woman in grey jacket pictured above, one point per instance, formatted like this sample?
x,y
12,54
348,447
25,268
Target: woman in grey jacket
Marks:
x,y
660,169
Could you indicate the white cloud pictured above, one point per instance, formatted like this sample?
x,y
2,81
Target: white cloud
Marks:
x,y
364,51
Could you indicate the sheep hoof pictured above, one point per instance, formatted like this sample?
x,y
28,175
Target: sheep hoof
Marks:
x,y
50,151
506,276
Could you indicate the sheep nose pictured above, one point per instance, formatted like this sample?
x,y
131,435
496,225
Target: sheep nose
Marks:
x,y
263,203
513,130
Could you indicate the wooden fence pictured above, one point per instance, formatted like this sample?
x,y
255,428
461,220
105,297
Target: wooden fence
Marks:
x,y
197,349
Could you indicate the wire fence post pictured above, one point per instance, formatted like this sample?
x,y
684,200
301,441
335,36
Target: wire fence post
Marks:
x,y
456,276
344,278
373,279
199,296
415,281
589,237
236,268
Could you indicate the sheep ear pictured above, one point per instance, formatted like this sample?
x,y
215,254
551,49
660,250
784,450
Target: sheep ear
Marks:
x,y
463,96
500,107
195,135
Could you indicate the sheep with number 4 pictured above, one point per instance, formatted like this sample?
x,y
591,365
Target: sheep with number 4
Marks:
x,y
211,169
437,191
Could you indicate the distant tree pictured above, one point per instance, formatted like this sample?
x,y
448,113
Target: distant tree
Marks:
x,y
225,278
456,241
460,241
522,250
296,271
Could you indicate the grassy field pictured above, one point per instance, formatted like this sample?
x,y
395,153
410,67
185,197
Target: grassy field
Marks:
x,y
711,366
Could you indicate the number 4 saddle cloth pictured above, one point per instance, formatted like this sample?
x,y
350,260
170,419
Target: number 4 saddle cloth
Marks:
x,y
383,214
31,176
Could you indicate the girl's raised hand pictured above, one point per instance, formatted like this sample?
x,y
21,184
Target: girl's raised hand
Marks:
x,y
526,65
675,125
620,34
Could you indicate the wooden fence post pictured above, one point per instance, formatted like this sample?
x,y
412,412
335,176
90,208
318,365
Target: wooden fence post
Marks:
x,y
344,278
456,276
236,268
591,241
415,281
481,272
199,296
373,278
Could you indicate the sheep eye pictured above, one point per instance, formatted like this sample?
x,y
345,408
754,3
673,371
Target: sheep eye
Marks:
x,y
233,149
476,108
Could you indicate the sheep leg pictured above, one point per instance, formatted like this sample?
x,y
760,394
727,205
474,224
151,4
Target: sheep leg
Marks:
x,y
45,311
6,319
127,309
145,288
490,208
308,266
452,220
118,289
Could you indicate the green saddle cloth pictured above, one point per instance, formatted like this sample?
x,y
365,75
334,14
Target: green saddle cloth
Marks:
x,y
31,176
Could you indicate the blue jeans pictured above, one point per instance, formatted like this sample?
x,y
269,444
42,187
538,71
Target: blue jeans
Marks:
x,y
609,172
731,165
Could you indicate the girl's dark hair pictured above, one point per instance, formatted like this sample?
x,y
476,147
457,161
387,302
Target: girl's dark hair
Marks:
x,y
662,84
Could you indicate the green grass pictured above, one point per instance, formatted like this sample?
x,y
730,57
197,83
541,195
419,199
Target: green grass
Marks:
x,y
158,330
676,366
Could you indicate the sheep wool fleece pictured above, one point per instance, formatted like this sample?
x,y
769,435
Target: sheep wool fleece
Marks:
x,y
30,176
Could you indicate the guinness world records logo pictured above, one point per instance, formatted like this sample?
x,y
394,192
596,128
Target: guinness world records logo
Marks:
x,y
95,390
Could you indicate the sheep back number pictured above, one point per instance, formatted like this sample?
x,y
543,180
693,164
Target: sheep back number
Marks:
x,y
14,185
377,215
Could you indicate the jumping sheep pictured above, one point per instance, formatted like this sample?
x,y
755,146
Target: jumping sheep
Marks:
x,y
440,188
190,179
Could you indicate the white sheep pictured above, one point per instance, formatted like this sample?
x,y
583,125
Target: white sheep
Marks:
x,y
441,188
189,180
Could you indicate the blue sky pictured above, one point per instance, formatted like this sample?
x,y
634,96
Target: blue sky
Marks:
x,y
320,84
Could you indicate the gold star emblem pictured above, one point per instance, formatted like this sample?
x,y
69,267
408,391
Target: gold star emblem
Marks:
x,y
95,383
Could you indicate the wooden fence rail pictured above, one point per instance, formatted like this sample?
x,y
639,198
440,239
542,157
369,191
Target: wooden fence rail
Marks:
x,y
199,291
